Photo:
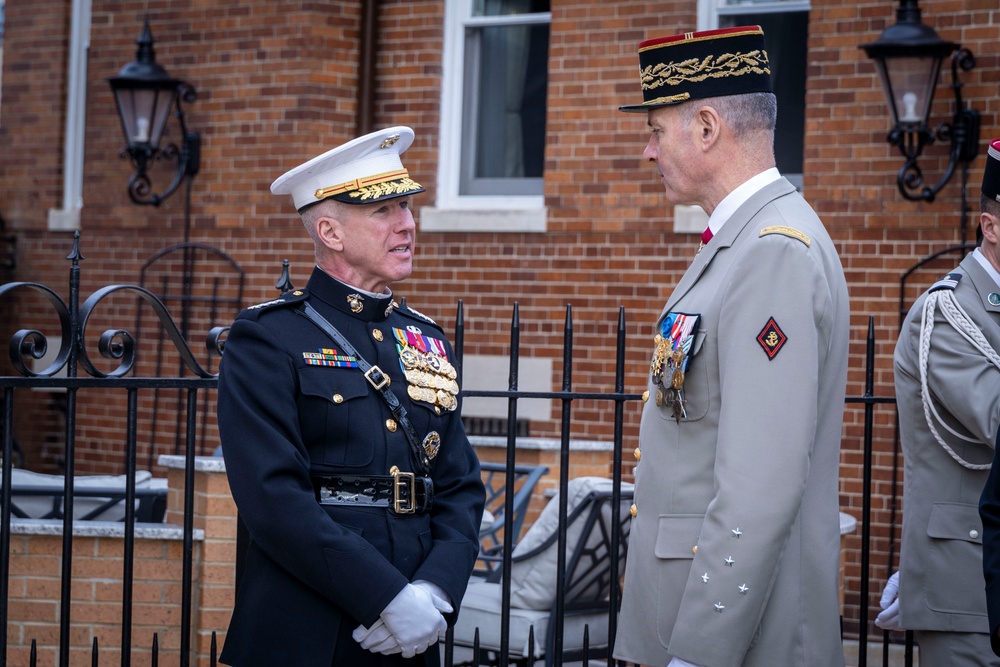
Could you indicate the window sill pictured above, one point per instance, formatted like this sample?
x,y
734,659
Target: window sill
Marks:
x,y
434,219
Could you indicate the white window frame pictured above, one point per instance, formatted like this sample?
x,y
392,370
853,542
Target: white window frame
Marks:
x,y
453,211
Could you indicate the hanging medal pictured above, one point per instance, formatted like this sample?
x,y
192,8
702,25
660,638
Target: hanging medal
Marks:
x,y
671,358
430,376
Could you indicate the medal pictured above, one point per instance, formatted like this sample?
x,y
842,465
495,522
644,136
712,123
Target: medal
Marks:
x,y
677,379
431,444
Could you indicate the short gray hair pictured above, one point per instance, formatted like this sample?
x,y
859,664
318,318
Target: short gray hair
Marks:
x,y
750,112
989,205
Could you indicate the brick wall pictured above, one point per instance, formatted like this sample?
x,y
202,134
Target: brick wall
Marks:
x,y
277,84
97,575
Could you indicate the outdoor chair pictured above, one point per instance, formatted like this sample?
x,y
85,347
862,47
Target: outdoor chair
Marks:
x,y
491,533
95,497
533,580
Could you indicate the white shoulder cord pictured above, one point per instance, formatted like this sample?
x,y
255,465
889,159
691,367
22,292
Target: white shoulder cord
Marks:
x,y
960,321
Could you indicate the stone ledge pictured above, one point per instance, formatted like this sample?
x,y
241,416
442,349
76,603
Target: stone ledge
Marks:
x,y
541,444
113,529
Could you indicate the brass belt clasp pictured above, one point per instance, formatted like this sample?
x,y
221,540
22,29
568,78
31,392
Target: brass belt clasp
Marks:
x,y
402,482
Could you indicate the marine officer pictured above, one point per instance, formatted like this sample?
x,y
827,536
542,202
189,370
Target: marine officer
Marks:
x,y
339,416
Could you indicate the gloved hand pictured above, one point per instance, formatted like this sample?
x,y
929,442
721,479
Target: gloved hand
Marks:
x,y
438,597
413,620
377,638
677,662
888,619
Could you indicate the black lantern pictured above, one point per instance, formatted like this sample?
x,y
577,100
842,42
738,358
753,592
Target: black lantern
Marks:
x,y
908,57
145,95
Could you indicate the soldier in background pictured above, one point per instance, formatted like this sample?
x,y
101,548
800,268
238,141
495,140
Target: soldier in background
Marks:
x,y
339,417
947,375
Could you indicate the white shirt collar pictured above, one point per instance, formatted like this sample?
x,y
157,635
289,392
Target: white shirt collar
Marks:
x,y
994,274
738,197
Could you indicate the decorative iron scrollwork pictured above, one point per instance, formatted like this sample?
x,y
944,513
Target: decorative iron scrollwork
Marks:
x,y
117,344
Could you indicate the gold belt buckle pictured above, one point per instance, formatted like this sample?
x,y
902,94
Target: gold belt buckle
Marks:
x,y
401,480
378,385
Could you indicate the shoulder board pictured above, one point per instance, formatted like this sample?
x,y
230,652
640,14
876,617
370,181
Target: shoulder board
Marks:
x,y
285,299
416,314
790,232
949,282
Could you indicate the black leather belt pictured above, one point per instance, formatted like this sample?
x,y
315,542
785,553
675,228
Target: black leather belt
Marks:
x,y
401,492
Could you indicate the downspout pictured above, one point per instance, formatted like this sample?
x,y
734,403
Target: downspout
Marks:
x,y
366,67
68,218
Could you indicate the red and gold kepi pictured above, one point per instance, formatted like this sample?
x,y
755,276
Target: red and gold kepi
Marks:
x,y
991,175
696,65
362,171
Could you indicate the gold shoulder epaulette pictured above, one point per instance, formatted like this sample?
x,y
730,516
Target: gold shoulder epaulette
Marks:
x,y
786,231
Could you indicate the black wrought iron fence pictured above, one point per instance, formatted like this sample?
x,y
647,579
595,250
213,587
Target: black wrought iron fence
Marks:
x,y
586,574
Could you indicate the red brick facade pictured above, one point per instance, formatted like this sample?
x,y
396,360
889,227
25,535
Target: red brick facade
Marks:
x,y
277,84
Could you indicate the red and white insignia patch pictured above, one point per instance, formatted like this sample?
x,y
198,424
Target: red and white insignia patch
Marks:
x,y
771,338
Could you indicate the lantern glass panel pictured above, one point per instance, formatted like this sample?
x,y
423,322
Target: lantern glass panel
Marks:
x,y
909,83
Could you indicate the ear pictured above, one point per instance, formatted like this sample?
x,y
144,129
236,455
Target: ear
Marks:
x,y
330,233
708,125
991,227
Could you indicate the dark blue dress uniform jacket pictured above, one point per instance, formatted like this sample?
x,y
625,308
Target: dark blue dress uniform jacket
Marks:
x,y
315,572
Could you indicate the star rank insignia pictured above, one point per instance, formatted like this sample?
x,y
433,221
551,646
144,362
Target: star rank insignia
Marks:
x,y
771,338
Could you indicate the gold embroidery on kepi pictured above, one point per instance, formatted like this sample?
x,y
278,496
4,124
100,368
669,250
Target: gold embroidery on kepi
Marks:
x,y
771,338
711,63
790,232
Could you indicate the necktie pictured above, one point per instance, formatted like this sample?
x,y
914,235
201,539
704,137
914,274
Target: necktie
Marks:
x,y
706,236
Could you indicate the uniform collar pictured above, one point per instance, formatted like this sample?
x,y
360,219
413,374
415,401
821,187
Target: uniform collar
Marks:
x,y
352,301
739,196
985,263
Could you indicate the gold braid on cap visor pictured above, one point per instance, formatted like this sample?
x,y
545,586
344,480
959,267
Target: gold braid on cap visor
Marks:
x,y
373,187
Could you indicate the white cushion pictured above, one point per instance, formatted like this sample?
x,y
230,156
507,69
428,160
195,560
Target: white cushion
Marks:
x,y
535,577
481,609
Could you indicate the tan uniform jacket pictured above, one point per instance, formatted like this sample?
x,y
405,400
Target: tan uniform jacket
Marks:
x,y
750,475
941,580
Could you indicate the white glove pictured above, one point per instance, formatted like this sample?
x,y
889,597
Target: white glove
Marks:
x,y
413,620
888,619
677,662
438,597
377,638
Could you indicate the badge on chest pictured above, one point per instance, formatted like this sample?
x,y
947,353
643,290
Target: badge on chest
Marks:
x,y
671,360
429,374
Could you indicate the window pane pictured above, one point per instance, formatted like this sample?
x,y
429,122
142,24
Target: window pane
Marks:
x,y
508,7
506,76
786,36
